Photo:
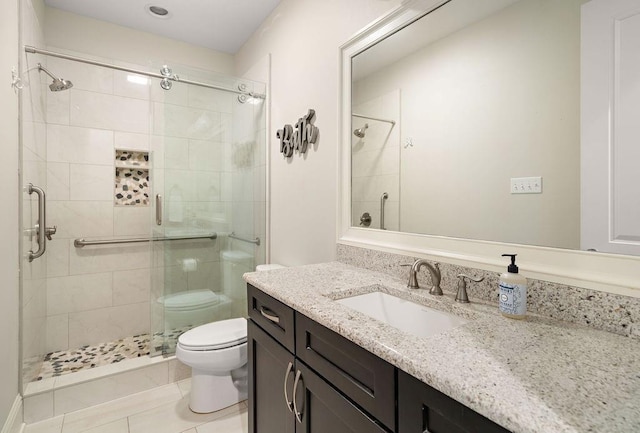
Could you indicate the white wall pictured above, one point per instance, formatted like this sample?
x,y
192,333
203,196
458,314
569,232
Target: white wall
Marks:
x,y
9,372
474,125
303,38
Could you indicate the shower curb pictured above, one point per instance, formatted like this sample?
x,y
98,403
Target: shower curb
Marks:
x,y
59,395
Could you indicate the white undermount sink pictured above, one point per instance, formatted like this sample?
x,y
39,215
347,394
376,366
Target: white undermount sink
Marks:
x,y
405,315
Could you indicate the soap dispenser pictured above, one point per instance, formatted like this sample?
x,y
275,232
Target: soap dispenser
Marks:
x,y
513,291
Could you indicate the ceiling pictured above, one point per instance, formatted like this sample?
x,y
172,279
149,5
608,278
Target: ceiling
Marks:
x,y
430,28
222,25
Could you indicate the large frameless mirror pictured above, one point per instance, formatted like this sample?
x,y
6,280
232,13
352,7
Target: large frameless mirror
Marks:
x,y
471,122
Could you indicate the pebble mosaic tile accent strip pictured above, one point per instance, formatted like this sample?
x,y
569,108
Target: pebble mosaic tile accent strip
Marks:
x,y
600,310
64,362
132,187
165,343
132,158
85,357
132,178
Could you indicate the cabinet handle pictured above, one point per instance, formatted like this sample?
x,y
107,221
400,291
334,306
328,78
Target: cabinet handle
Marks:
x,y
297,413
270,315
286,379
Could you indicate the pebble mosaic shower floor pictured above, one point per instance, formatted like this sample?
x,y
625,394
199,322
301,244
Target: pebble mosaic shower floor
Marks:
x,y
70,361
85,357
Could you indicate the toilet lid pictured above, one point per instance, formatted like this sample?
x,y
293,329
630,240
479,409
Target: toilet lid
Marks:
x,y
216,335
190,300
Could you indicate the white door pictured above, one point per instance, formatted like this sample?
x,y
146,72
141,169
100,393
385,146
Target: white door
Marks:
x,y
610,126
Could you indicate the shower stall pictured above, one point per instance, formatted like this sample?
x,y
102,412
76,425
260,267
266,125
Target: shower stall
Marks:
x,y
143,205
375,159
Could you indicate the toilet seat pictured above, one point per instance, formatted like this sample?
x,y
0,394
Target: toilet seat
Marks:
x,y
215,336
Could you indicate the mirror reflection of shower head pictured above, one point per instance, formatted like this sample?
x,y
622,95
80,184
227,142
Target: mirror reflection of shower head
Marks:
x,y
361,131
58,83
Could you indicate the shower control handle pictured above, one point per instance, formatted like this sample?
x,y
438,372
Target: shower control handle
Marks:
x,y
50,231
365,219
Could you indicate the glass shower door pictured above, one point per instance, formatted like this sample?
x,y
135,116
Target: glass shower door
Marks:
x,y
204,153
33,273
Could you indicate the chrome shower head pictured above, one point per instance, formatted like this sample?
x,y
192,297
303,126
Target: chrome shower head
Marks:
x,y
58,83
361,131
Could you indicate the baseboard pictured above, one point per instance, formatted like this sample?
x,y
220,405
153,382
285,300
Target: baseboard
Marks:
x,y
13,423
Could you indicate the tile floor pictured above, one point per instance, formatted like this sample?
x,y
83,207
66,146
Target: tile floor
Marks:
x,y
160,410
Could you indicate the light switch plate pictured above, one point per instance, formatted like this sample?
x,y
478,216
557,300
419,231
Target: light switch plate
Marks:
x,y
526,185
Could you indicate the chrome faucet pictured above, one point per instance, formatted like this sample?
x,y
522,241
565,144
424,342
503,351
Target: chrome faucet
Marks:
x,y
434,271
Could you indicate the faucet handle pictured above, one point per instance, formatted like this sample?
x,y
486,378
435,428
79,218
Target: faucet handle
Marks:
x,y
461,296
413,278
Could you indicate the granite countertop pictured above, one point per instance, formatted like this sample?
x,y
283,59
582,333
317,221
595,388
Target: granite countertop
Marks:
x,y
530,376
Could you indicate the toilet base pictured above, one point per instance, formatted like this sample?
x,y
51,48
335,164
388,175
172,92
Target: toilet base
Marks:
x,y
211,393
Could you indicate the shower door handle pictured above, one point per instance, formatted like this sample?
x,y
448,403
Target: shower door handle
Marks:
x,y
41,225
159,209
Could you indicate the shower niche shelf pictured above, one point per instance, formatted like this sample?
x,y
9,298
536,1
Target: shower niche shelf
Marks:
x,y
132,186
132,159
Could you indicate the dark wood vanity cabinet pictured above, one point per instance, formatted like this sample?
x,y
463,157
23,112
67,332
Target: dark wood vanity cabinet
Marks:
x,y
277,377
268,364
422,408
337,385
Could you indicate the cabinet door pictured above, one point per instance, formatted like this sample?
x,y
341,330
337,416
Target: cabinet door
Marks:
x,y
360,375
423,409
322,409
268,365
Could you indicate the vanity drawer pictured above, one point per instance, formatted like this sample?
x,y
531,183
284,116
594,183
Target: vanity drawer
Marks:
x,y
361,376
271,315
422,408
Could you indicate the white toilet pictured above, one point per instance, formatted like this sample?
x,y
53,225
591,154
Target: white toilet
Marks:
x,y
217,355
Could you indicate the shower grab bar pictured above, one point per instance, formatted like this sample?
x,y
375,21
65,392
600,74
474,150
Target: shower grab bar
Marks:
x,y
79,243
256,241
41,224
383,198
33,50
